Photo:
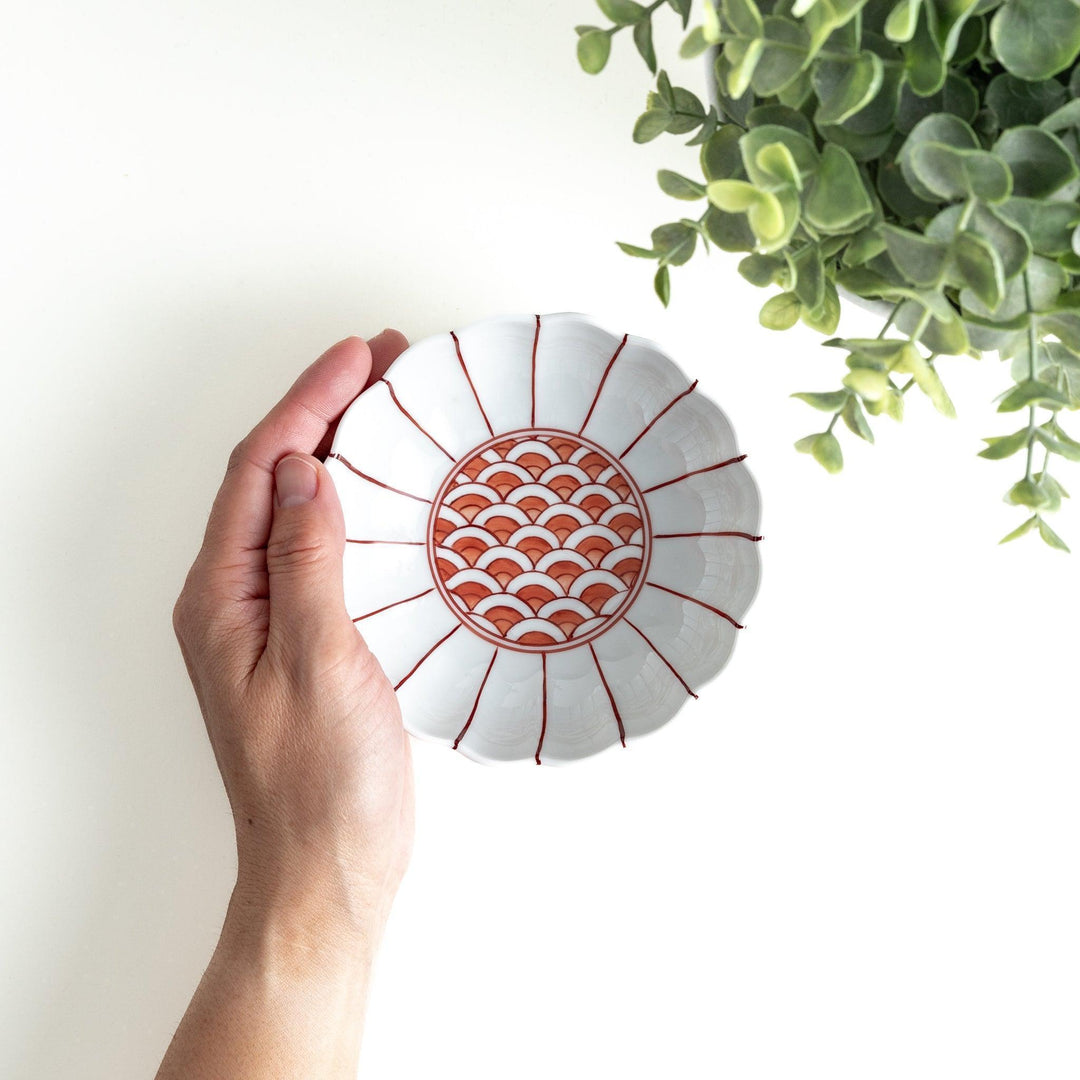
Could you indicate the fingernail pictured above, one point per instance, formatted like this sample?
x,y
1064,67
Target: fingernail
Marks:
x,y
295,482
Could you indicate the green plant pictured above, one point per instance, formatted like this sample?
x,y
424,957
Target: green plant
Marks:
x,y
918,153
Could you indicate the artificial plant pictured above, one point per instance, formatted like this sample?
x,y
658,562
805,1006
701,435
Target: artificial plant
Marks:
x,y
922,154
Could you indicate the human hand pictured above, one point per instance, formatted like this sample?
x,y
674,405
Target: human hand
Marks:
x,y
303,722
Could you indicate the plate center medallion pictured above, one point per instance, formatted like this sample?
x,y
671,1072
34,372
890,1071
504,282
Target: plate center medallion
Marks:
x,y
538,540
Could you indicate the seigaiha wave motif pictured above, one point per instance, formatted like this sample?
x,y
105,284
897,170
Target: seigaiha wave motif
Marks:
x,y
538,540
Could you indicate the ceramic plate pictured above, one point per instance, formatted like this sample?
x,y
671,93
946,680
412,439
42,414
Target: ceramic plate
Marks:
x,y
551,536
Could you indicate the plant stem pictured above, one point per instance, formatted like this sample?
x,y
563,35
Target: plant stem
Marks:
x,y
891,319
1033,344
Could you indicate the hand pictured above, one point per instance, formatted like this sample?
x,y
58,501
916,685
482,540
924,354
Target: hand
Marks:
x,y
304,724
308,737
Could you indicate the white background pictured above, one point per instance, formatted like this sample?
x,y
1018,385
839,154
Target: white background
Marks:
x,y
855,856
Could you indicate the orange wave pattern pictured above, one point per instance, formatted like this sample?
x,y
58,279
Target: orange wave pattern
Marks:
x,y
539,540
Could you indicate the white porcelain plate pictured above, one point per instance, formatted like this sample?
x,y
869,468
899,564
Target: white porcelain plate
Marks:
x,y
551,536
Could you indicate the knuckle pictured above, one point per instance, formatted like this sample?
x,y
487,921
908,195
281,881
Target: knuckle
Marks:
x,y
297,551
181,616
238,456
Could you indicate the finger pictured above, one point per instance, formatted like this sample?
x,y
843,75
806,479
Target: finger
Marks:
x,y
308,619
385,347
240,519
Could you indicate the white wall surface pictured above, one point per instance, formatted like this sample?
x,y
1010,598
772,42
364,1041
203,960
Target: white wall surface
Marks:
x,y
854,857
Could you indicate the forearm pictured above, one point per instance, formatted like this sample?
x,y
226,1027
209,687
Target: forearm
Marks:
x,y
283,996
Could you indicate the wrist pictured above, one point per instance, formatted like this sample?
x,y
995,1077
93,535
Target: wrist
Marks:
x,y
310,922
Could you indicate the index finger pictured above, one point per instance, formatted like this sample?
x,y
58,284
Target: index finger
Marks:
x,y
240,519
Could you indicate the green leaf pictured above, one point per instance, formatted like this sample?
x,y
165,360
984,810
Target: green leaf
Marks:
x,y
869,384
920,260
940,128
764,210
837,200
743,57
621,12
1048,225
650,124
1050,537
679,187
775,168
829,402
1039,161
825,449
902,20
689,113
989,224
674,242
961,174
944,336
862,247
644,43
682,7
1025,528
662,285
593,50
809,284
780,312
856,420
694,45
743,16
826,316
845,86
1003,446
637,252
1063,119
1066,447
929,382
1035,39
781,116
760,270
1055,445
784,55
729,232
721,158
1020,101
802,151
1028,493
892,404
711,22
980,269
883,350
924,61
1032,392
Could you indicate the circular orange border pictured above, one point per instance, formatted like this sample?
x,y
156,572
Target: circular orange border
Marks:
x,y
612,619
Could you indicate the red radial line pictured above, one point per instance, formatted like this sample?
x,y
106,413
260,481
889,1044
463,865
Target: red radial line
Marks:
x,y
610,695
543,707
673,401
349,540
695,600
603,379
670,666
476,703
694,472
461,360
394,604
673,536
364,476
412,671
416,423
536,341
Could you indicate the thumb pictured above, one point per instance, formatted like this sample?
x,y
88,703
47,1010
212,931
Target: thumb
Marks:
x,y
304,558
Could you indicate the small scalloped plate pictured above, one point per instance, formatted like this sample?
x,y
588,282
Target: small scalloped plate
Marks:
x,y
550,536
